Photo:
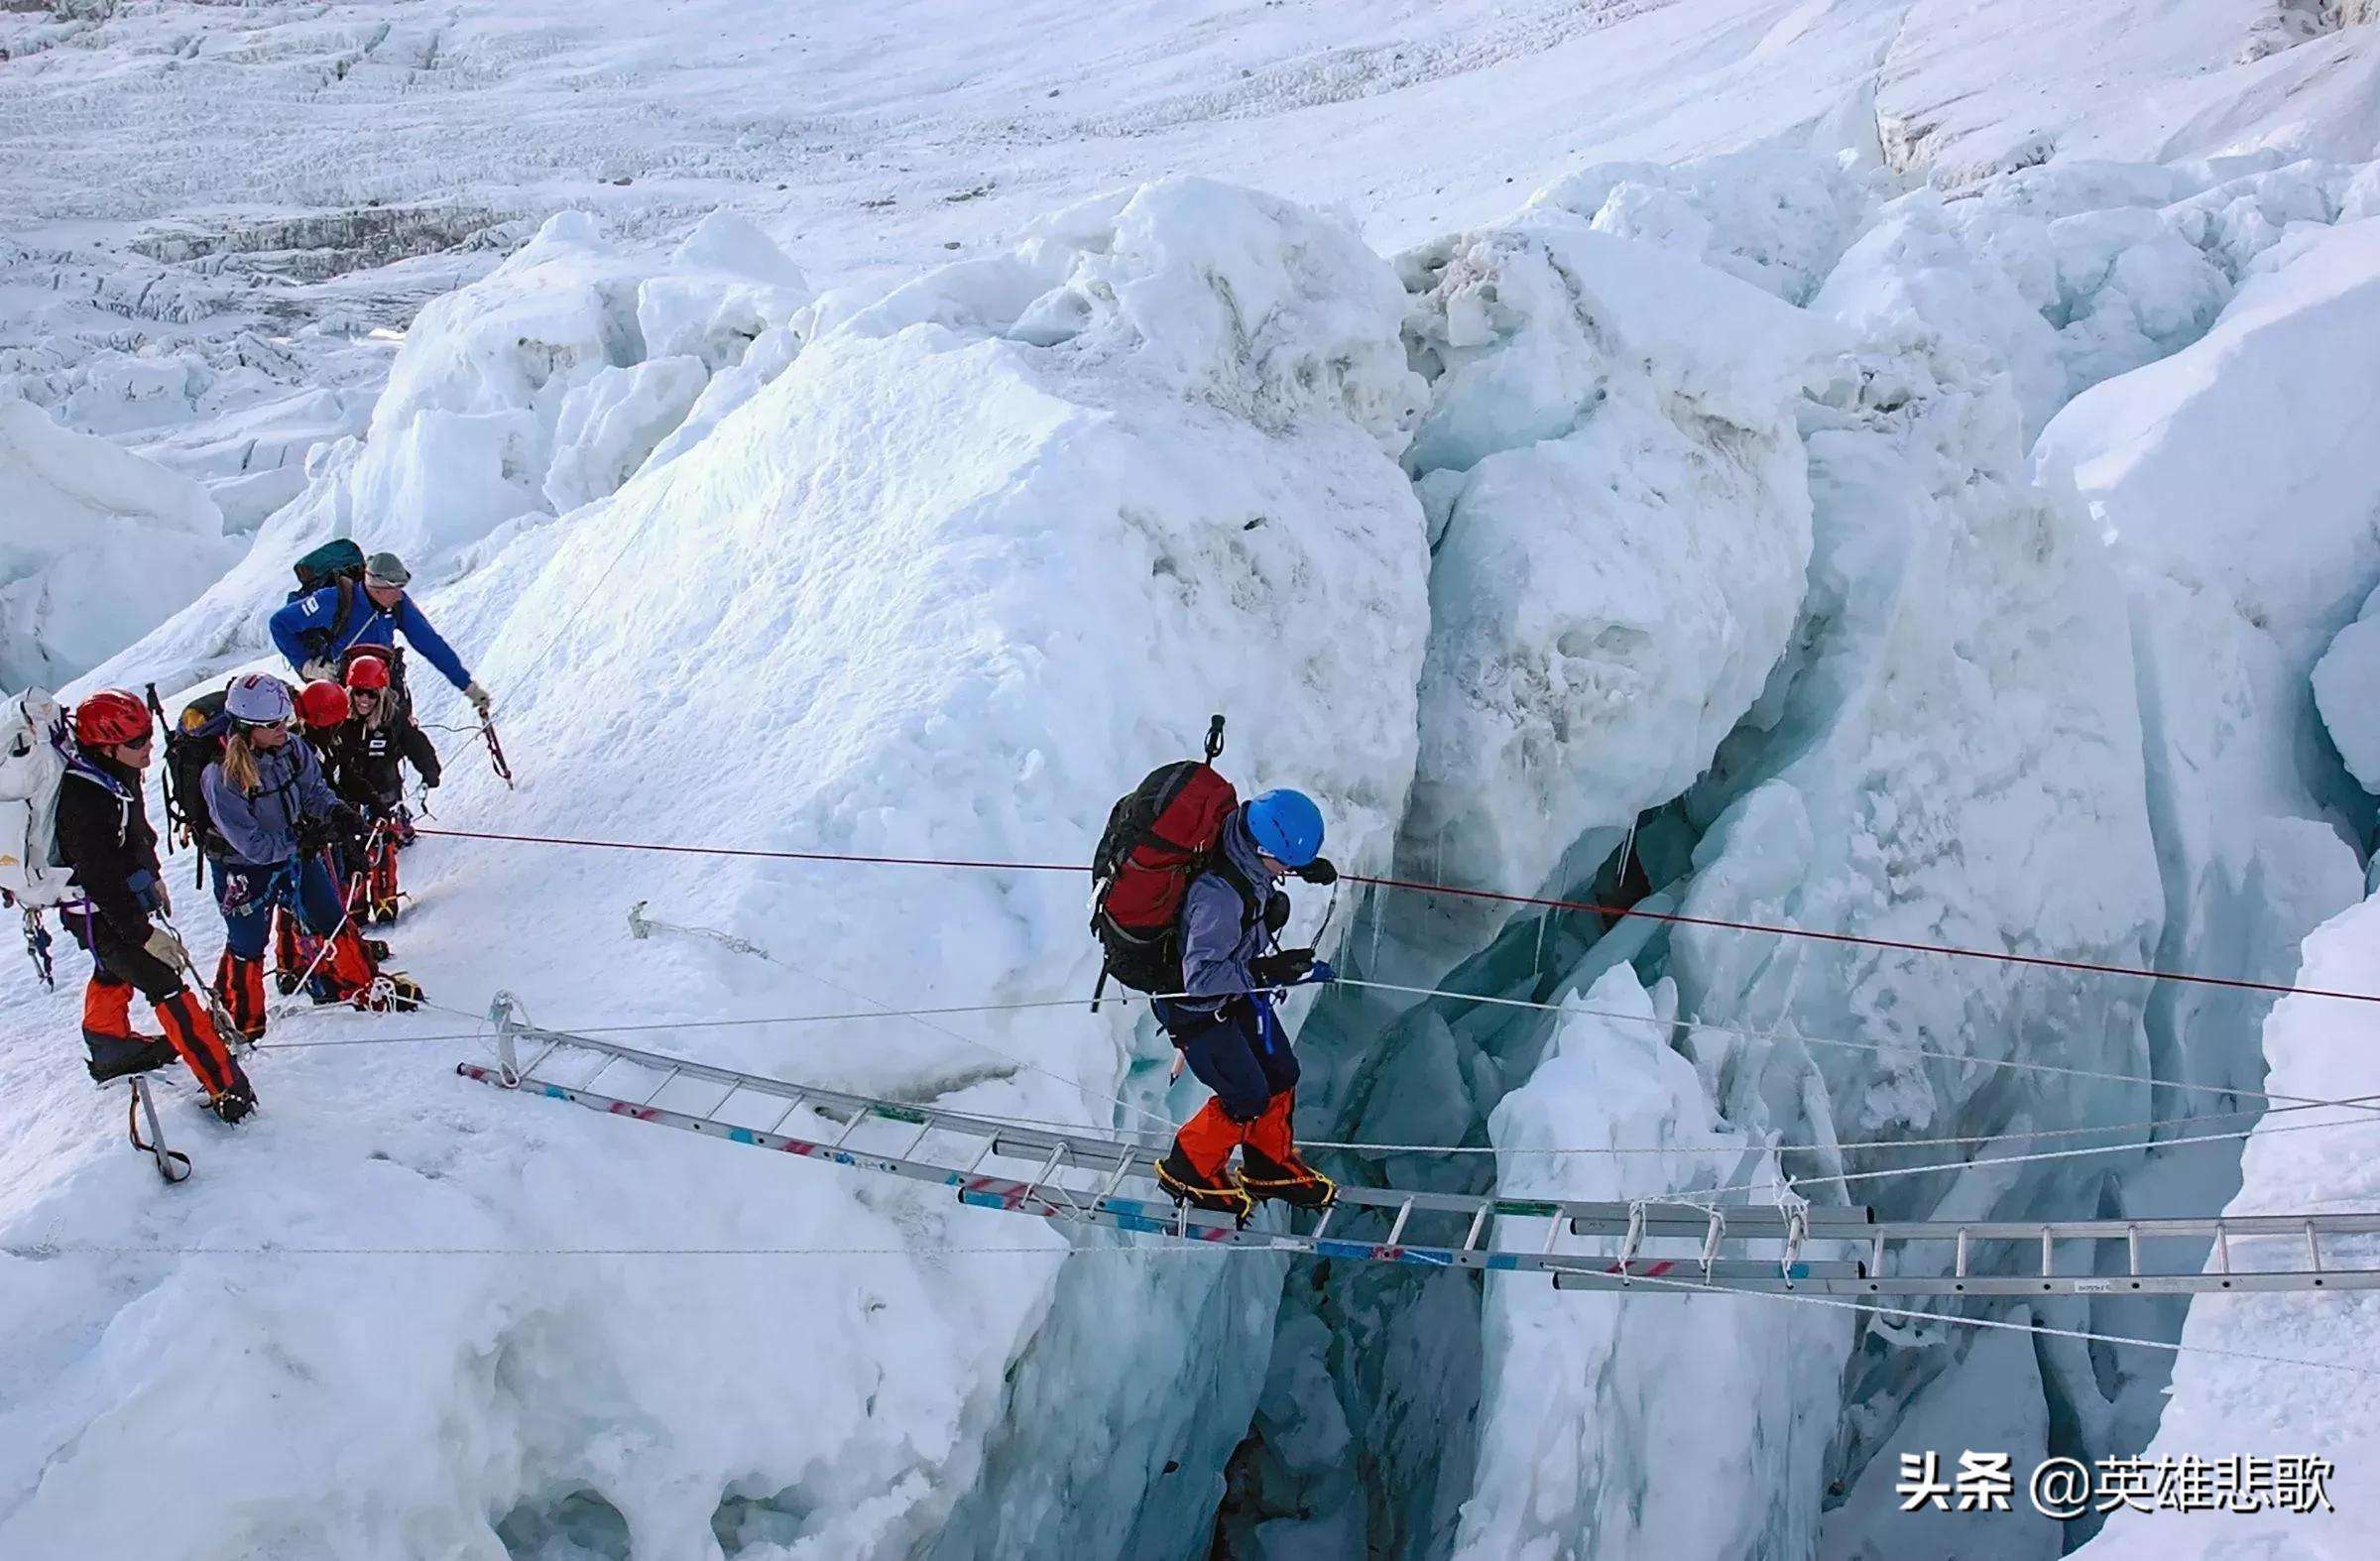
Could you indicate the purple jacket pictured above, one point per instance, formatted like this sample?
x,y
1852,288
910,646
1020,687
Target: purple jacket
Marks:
x,y
262,827
1220,930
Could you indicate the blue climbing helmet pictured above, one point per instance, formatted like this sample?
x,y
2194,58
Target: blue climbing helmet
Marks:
x,y
1286,826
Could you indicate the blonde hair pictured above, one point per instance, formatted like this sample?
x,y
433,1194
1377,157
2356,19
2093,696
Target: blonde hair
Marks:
x,y
239,762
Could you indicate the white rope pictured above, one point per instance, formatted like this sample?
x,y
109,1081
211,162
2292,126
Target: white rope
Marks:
x,y
38,1250
886,1011
2365,1104
346,914
1683,1022
49,1248
2170,1347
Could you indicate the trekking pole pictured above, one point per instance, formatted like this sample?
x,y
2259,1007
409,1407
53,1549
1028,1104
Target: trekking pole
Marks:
x,y
504,771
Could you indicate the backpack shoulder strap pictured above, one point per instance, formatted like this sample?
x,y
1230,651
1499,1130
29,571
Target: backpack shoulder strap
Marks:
x,y
1252,900
345,611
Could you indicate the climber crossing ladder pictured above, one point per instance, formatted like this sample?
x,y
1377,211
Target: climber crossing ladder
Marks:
x,y
1080,1177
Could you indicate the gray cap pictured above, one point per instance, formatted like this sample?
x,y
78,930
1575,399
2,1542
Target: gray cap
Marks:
x,y
386,568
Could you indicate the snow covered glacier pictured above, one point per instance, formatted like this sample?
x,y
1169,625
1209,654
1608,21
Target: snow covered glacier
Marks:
x,y
1743,535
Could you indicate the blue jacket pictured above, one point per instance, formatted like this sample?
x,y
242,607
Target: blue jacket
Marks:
x,y
262,826
367,623
1220,930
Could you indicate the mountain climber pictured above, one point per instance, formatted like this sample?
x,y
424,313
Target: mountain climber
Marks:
x,y
1225,1024
370,749
315,630
103,833
276,814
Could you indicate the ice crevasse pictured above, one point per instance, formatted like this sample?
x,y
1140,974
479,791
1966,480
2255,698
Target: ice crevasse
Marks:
x,y
1539,541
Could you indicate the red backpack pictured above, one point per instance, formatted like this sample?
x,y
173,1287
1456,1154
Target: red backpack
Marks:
x,y
1160,836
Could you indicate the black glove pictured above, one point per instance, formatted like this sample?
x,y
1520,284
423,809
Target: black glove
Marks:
x,y
1283,969
1276,914
1318,870
347,820
313,834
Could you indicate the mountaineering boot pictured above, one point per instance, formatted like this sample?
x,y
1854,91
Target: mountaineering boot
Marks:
x,y
116,1050
240,988
192,1032
393,993
1272,1167
1291,1181
346,972
376,949
234,1104
120,1057
1218,1192
290,956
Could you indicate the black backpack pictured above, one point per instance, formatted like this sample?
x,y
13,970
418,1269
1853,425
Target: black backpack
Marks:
x,y
338,562
192,744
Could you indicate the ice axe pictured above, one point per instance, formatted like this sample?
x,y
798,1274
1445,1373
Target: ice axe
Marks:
x,y
235,1039
504,771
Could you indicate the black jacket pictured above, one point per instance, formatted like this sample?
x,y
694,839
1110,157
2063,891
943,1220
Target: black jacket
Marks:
x,y
103,833
363,761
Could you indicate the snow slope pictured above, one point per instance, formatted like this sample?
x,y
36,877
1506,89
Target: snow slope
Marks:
x,y
1185,476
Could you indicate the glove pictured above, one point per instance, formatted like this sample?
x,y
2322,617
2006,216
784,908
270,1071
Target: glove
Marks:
x,y
1284,969
163,945
1318,974
313,834
1318,870
345,820
318,672
480,699
1276,914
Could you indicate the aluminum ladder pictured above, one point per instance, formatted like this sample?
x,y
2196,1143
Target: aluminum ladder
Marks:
x,y
1081,1177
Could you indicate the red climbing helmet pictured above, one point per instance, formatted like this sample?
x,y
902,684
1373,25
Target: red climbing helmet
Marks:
x,y
367,672
109,718
323,704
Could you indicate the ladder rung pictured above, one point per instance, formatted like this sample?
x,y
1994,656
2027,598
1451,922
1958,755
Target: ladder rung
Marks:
x,y
911,1152
791,1107
1479,1222
1404,1212
668,1079
852,1127
1124,1166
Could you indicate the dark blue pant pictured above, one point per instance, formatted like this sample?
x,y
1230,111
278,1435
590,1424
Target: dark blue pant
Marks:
x,y
246,895
1240,1054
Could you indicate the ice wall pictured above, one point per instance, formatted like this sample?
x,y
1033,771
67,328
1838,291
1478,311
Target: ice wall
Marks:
x,y
2231,1408
98,543
537,388
1602,1417
1620,523
2241,566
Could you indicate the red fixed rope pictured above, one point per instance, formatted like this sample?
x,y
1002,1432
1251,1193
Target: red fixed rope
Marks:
x,y
1673,918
